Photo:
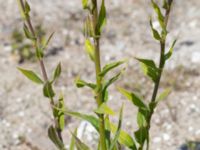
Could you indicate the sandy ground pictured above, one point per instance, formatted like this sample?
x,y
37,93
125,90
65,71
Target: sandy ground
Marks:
x,y
25,114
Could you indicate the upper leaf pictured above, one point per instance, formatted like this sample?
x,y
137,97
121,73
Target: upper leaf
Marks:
x,y
170,52
57,71
156,34
159,14
149,68
102,18
136,100
104,109
48,90
90,49
110,66
31,75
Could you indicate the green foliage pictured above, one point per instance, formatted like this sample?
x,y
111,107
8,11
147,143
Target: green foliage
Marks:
x,y
54,138
31,75
111,136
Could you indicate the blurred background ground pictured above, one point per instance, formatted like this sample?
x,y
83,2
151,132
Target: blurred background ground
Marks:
x,y
25,114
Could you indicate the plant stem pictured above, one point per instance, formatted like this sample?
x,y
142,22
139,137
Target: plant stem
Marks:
x,y
42,66
161,66
99,99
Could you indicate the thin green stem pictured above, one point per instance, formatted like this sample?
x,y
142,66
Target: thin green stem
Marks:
x,y
98,78
42,66
161,66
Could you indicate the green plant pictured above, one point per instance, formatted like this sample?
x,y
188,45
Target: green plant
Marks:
x,y
55,130
93,27
154,72
23,48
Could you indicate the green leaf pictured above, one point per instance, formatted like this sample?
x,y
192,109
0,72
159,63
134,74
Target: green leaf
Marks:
x,y
110,66
159,14
136,100
169,54
108,83
104,109
156,34
48,40
90,49
79,144
31,75
117,134
54,138
28,34
72,143
102,18
88,28
48,90
141,120
57,72
141,135
124,138
90,118
149,68
39,53
163,95
80,83
61,115
27,7
85,4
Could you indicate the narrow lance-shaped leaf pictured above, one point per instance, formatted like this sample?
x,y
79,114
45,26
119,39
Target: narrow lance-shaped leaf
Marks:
x,y
102,18
54,138
141,136
79,144
141,120
159,14
31,75
48,90
57,72
108,83
90,118
156,35
27,9
28,34
170,52
117,134
163,95
124,138
110,66
149,68
104,109
136,100
72,143
47,41
90,49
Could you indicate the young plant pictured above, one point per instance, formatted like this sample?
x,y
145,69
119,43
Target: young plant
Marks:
x,y
154,72
22,48
55,130
110,135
